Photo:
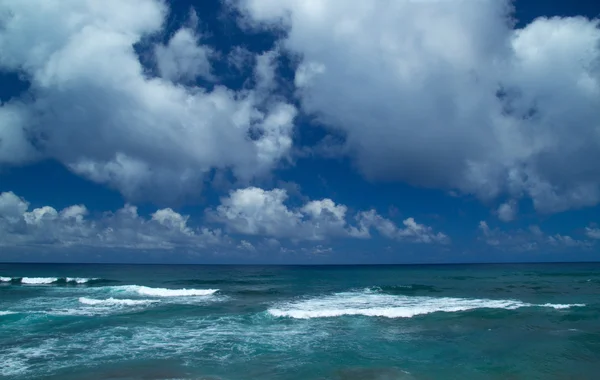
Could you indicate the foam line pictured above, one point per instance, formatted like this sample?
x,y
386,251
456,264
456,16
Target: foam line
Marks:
x,y
369,303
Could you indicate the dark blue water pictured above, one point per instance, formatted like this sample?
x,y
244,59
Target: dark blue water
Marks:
x,y
379,322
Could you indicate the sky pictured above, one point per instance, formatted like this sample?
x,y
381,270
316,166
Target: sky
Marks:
x,y
299,132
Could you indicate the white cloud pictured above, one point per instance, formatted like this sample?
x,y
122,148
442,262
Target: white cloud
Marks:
x,y
183,58
251,211
12,207
246,245
45,226
567,241
92,107
592,233
466,102
265,70
311,250
172,220
254,211
508,211
527,240
318,250
41,215
412,231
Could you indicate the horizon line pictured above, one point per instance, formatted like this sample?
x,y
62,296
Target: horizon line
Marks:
x,y
298,264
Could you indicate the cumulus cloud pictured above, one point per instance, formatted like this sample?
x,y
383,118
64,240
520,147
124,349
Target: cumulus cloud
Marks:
x,y
246,245
531,239
313,251
449,94
507,211
92,106
12,208
183,58
255,211
250,211
265,70
592,233
412,231
125,228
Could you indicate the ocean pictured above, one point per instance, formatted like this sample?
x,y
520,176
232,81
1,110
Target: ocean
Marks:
x,y
509,321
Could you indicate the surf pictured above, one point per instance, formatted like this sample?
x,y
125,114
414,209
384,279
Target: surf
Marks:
x,y
163,292
115,302
53,280
372,303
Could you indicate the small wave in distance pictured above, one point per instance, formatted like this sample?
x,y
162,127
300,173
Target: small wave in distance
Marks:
x,y
54,280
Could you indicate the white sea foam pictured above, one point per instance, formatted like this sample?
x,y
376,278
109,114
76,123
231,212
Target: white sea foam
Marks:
x,y
561,306
80,280
163,292
38,280
13,366
190,338
115,302
47,280
372,304
6,313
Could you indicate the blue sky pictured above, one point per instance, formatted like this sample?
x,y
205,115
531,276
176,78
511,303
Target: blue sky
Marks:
x,y
254,131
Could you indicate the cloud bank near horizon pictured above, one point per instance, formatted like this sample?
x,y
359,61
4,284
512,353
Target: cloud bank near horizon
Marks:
x,y
249,212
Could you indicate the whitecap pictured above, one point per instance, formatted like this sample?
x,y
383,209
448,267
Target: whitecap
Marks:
x,y
48,280
115,302
7,312
80,280
561,306
163,292
369,303
38,280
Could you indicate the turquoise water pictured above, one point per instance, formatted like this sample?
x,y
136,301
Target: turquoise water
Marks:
x,y
371,322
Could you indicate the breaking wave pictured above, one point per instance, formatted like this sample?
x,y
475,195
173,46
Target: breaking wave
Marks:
x,y
164,292
375,304
115,302
53,280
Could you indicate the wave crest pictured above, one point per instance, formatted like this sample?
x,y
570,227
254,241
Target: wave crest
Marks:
x,y
164,292
53,280
115,302
38,280
371,304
